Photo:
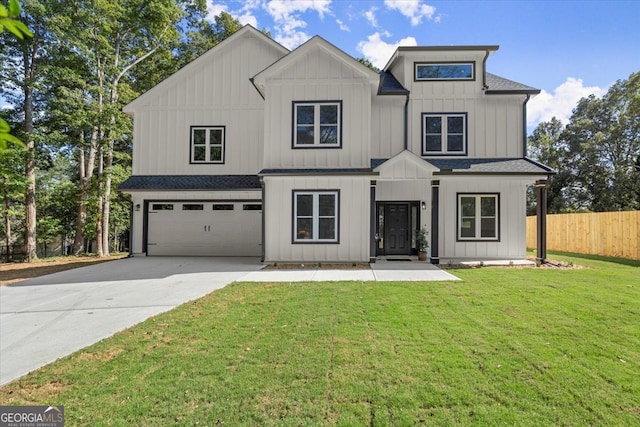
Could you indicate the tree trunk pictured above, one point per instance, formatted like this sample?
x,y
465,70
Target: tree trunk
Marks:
x,y
7,218
30,169
99,229
86,174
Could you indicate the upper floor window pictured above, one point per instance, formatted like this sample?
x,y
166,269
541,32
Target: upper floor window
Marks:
x,y
444,134
317,124
207,144
444,71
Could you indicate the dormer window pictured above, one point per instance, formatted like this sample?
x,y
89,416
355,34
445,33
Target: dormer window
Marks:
x,y
431,71
444,134
317,124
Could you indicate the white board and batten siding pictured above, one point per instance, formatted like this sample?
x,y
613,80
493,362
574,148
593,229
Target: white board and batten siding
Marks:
x,y
494,123
354,212
512,217
213,90
318,77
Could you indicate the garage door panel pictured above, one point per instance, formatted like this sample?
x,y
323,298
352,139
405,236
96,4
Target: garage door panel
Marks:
x,y
206,232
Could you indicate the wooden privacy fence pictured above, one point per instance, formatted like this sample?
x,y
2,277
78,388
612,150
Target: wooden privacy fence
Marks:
x,y
615,234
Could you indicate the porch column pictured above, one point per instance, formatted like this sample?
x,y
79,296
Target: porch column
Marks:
x,y
373,221
541,214
435,203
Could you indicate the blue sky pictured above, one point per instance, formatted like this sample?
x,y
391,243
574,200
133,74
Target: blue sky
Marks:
x,y
568,49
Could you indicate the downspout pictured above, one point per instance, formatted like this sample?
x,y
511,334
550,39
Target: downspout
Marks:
x,y
524,125
406,122
484,69
263,251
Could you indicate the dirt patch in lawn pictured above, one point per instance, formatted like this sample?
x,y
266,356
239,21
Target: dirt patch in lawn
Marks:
x,y
19,271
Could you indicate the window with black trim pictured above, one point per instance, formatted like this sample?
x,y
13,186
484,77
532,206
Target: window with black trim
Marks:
x,y
252,207
207,144
315,216
193,207
162,207
222,207
478,217
444,71
317,124
444,134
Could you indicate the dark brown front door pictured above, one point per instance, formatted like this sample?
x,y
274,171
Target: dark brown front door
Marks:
x,y
396,230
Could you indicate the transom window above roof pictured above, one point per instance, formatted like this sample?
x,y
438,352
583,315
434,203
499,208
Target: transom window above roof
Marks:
x,y
445,71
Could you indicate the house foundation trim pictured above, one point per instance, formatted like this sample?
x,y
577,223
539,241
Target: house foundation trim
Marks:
x,y
435,208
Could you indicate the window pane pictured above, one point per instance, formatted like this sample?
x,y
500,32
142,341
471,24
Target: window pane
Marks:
x,y
327,228
162,207
455,143
434,143
304,205
468,205
433,125
488,206
468,227
216,154
328,114
304,228
488,227
305,114
252,207
327,205
223,207
329,135
192,207
304,135
215,136
455,125
199,136
199,154
444,71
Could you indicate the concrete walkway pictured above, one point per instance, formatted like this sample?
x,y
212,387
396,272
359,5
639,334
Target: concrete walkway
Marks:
x,y
52,316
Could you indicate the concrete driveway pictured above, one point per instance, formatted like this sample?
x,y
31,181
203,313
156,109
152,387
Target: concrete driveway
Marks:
x,y
49,317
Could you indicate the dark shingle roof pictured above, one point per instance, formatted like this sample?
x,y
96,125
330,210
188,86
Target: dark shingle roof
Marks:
x,y
389,85
497,84
377,162
490,166
190,182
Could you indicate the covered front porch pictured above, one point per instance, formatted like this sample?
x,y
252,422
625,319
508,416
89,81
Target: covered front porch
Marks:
x,y
401,206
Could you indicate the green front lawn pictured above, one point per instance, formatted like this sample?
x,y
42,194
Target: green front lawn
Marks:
x,y
507,346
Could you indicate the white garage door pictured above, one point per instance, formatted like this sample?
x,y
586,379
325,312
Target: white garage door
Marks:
x,y
197,228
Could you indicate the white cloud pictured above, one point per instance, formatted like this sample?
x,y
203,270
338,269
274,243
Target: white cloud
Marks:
x,y
248,18
214,9
415,10
371,17
342,25
378,51
560,103
244,15
286,15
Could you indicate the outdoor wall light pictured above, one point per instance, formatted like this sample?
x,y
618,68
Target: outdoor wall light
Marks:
x,y
424,206
138,207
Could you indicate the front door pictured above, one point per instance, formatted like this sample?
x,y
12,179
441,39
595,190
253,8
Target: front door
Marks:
x,y
396,229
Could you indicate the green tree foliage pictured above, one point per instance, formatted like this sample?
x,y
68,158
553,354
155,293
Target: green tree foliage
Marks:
x,y
595,154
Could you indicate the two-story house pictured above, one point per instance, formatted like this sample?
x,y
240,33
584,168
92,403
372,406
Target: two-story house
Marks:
x,y
310,156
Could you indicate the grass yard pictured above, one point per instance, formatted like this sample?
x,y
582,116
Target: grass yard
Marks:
x,y
507,346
